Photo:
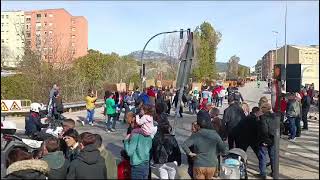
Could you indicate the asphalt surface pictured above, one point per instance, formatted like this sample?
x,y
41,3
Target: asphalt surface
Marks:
x,y
298,160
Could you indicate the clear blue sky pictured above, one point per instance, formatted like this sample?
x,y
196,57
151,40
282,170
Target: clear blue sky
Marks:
x,y
246,26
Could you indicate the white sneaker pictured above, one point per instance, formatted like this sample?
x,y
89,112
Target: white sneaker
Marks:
x,y
82,122
108,131
91,123
292,140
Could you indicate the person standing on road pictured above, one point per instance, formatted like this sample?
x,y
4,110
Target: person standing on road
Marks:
x,y
53,91
246,108
129,104
90,105
207,145
266,133
292,113
54,157
306,103
299,118
89,164
166,152
71,138
108,157
231,118
168,100
248,131
110,106
138,149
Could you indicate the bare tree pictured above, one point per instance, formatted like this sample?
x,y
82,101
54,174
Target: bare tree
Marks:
x,y
233,66
172,46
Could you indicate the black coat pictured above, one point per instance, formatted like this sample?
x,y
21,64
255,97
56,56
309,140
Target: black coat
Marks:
x,y
72,154
306,102
33,124
266,128
231,118
171,147
58,165
88,165
28,169
248,130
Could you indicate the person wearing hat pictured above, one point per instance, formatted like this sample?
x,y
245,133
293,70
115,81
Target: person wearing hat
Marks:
x,y
207,145
266,133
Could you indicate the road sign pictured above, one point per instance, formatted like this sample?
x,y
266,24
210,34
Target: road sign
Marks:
x,y
4,107
15,107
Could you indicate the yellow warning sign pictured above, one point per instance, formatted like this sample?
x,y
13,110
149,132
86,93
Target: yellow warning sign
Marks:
x,y
15,107
4,107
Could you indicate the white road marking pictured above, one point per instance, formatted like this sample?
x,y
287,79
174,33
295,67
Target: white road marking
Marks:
x,y
301,154
311,148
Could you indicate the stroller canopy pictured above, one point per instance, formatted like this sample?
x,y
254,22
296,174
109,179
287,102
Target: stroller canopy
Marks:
x,y
239,152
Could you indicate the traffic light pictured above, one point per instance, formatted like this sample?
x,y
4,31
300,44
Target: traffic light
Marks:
x,y
143,69
181,33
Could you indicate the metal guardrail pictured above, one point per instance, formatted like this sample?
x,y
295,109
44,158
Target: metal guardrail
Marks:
x,y
66,106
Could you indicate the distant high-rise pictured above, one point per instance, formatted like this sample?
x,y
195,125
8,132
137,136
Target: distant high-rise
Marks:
x,y
54,34
12,41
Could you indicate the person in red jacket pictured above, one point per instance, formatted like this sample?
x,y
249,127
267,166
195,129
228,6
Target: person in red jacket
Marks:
x,y
152,95
124,168
283,107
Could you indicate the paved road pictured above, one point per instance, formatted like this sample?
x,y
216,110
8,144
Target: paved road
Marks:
x,y
297,160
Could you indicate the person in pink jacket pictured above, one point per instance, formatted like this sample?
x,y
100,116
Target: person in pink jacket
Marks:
x,y
146,121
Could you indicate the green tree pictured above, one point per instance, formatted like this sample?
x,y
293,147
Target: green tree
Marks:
x,y
208,39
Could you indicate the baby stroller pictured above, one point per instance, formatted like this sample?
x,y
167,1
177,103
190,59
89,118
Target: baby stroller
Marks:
x,y
234,165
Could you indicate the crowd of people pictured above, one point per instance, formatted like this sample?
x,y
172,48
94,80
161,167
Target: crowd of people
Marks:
x,y
149,142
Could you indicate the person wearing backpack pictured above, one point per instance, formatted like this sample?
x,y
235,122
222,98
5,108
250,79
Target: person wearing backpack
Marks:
x,y
166,152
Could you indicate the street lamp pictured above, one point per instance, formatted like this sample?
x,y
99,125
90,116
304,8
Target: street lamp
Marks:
x,y
142,53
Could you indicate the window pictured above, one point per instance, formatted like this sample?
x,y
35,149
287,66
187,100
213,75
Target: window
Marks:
x,y
50,15
2,25
45,23
7,16
28,34
73,29
2,16
45,15
73,36
45,32
28,19
38,15
2,40
50,32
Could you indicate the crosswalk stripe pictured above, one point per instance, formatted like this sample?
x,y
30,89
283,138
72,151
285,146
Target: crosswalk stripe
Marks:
x,y
301,154
311,148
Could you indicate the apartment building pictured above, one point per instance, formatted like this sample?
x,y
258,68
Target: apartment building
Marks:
x,y
307,56
56,35
12,41
258,69
268,61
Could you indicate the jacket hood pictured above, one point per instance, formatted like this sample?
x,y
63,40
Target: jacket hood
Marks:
x,y
55,160
208,133
89,154
32,164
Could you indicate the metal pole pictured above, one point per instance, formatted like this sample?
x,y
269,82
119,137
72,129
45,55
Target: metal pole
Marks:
x,y
285,43
142,53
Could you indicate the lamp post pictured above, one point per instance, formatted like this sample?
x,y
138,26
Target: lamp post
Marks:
x,y
285,45
142,53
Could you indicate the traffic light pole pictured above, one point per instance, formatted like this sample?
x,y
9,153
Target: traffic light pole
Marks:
x,y
143,73
183,73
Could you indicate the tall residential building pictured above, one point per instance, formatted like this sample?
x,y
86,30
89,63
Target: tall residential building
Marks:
x,y
258,69
268,61
12,40
308,57
56,35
